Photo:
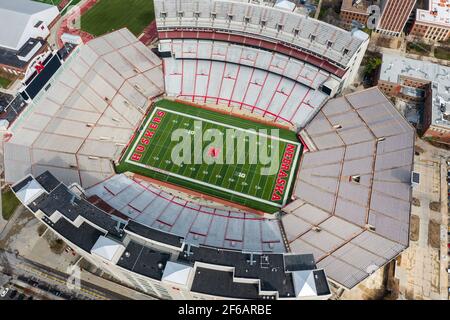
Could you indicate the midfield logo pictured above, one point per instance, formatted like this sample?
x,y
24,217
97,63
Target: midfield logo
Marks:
x,y
228,146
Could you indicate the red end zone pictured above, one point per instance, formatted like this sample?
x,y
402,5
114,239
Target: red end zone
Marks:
x,y
283,173
142,144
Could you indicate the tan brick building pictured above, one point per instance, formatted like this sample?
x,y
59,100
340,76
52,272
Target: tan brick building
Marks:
x,y
420,82
394,15
352,10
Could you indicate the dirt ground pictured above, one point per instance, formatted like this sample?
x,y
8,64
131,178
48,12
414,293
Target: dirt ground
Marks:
x,y
434,232
415,228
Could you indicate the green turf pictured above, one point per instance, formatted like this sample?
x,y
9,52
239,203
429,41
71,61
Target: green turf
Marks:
x,y
4,83
240,183
442,53
70,6
9,204
109,15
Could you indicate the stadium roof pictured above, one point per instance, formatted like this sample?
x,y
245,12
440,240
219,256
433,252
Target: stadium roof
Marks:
x,y
353,190
86,117
396,67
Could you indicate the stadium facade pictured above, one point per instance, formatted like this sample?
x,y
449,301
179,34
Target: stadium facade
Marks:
x,y
350,207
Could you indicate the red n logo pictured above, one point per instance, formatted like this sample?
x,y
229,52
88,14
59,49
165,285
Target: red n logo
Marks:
x,y
39,67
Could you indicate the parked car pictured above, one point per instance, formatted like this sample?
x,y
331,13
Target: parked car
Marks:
x,y
33,283
13,294
4,292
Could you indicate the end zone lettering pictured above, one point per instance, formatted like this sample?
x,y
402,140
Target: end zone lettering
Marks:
x,y
283,173
149,132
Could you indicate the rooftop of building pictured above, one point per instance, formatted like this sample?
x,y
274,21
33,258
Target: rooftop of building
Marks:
x,y
10,57
285,275
437,12
15,17
357,6
395,67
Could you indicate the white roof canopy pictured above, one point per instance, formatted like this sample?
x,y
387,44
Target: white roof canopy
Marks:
x,y
107,248
176,273
29,192
304,283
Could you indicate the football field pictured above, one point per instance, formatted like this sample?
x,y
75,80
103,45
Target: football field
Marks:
x,y
230,158
109,15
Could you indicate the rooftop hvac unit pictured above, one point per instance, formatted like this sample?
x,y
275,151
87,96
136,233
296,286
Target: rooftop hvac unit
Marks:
x,y
316,229
415,178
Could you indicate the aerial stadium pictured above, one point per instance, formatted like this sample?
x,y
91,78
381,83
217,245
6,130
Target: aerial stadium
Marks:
x,y
90,156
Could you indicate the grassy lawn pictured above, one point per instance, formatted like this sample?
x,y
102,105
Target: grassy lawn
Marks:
x,y
110,15
237,181
4,83
418,48
323,13
442,53
73,3
9,204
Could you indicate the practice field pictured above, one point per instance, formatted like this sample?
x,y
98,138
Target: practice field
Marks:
x,y
109,15
237,160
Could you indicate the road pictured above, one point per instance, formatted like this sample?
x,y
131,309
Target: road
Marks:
x,y
19,266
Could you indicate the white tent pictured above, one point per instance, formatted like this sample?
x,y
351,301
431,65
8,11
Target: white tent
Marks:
x,y
107,248
176,273
30,191
304,283
24,19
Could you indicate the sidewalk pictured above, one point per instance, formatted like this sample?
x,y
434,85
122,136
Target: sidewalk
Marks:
x,y
421,268
114,287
